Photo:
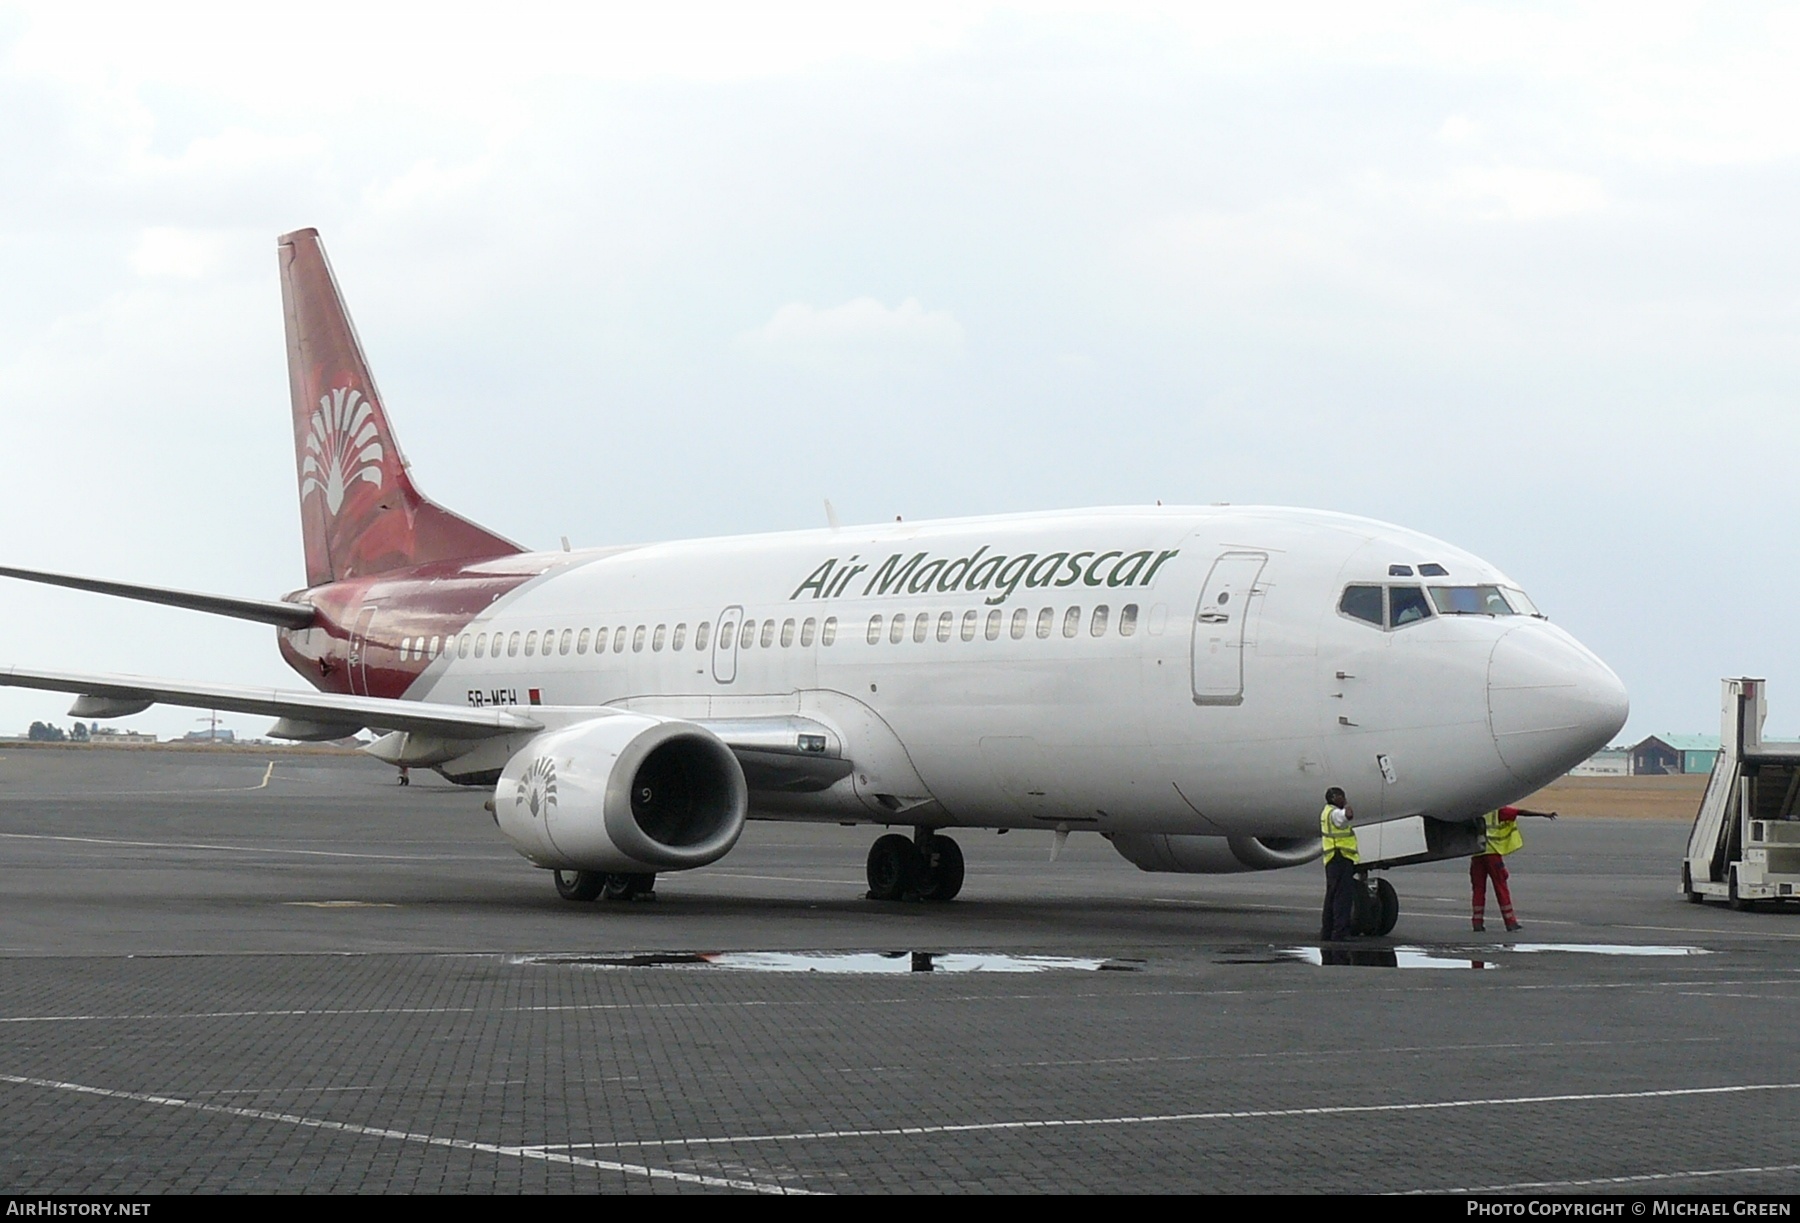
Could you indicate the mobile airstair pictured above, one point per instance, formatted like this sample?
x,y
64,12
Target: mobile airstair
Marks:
x,y
1745,843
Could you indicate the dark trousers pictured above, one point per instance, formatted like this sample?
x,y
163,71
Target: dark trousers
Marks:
x,y
1340,879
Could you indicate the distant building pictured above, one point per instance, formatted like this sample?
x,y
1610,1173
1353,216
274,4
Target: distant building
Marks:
x,y
212,734
108,736
1607,762
1668,755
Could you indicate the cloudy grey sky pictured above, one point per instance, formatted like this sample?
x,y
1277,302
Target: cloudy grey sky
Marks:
x,y
1523,277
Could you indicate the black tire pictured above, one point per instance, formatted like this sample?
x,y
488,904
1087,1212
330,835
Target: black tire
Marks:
x,y
1365,909
942,876
579,885
1389,901
1739,903
895,868
621,886
1687,885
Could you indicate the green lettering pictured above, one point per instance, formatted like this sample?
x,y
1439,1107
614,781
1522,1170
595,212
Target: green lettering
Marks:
x,y
1089,579
922,580
1010,575
1044,570
957,568
982,574
1166,556
1136,562
891,577
816,581
1073,569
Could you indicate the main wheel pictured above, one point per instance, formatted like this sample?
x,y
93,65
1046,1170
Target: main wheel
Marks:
x,y
1389,901
895,867
1731,893
1687,885
942,877
1365,908
629,887
579,885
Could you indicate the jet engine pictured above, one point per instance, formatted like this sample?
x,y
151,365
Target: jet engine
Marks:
x,y
1156,851
626,793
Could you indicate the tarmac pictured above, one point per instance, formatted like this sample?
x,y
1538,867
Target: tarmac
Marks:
x,y
226,972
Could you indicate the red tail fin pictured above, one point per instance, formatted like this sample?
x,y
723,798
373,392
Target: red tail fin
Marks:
x,y
359,511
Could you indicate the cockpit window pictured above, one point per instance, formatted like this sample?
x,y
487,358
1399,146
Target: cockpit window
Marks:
x,y
1431,569
1406,604
1471,601
1362,602
1521,604
1399,571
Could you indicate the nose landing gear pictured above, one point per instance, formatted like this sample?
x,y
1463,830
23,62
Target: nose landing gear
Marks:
x,y
928,867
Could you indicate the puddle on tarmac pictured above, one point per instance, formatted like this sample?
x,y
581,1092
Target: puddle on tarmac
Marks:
x,y
1627,949
1450,957
865,962
1382,957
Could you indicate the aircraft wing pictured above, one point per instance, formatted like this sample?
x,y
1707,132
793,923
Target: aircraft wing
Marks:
x,y
104,696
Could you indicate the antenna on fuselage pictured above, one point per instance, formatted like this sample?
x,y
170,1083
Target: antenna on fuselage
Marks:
x,y
831,518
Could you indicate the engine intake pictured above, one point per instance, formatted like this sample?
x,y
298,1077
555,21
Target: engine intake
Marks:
x,y
1190,855
625,793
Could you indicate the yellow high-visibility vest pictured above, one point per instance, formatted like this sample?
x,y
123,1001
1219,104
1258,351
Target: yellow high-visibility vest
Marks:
x,y
1336,840
1503,836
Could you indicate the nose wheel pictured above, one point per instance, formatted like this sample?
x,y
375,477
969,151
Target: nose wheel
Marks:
x,y
1374,907
929,867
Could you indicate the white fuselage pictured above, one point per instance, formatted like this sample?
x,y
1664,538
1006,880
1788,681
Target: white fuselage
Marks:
x,y
1103,683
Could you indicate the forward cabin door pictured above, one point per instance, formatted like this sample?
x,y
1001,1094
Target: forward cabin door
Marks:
x,y
359,652
1219,621
725,645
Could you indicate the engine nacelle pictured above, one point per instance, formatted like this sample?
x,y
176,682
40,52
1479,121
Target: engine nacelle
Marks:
x,y
624,793
1156,851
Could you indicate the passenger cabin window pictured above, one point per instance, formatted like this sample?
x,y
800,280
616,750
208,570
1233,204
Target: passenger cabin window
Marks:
x,y
747,637
658,637
619,640
1406,605
828,634
993,625
1046,618
768,634
946,621
568,640
512,646
600,640
462,646
787,634
530,643
1362,603
806,633
921,626
480,644
1097,627
701,632
581,642
897,629
874,628
1128,619
637,639
1020,619
968,624
1071,622
680,636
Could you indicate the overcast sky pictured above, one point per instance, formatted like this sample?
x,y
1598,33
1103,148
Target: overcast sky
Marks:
x,y
1520,277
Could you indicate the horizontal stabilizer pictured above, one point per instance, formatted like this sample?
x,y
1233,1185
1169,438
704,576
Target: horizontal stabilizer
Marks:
x,y
265,611
314,708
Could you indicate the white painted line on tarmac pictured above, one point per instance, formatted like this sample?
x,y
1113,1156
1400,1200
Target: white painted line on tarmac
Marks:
x,y
542,1154
1641,1179
1714,931
242,849
1253,1114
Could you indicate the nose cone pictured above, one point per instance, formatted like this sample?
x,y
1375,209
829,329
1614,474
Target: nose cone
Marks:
x,y
1551,703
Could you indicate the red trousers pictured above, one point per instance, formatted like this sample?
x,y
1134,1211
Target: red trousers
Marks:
x,y
1483,867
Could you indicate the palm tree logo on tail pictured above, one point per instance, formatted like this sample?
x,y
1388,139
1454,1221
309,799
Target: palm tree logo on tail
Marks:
x,y
342,446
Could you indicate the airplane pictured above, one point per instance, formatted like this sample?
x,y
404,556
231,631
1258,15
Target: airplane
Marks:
x,y
1184,681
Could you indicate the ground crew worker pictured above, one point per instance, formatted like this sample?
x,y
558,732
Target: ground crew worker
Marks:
x,y
1337,833
1502,836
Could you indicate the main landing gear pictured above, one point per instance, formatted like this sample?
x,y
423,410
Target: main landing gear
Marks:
x,y
601,885
928,867
1374,906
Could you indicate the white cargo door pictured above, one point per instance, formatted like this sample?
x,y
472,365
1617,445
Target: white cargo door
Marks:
x,y
725,644
1219,620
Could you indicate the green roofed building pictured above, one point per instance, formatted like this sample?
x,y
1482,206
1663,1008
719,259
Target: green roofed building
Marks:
x,y
1670,754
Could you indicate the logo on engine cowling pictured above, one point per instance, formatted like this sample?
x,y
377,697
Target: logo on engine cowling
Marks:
x,y
537,788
